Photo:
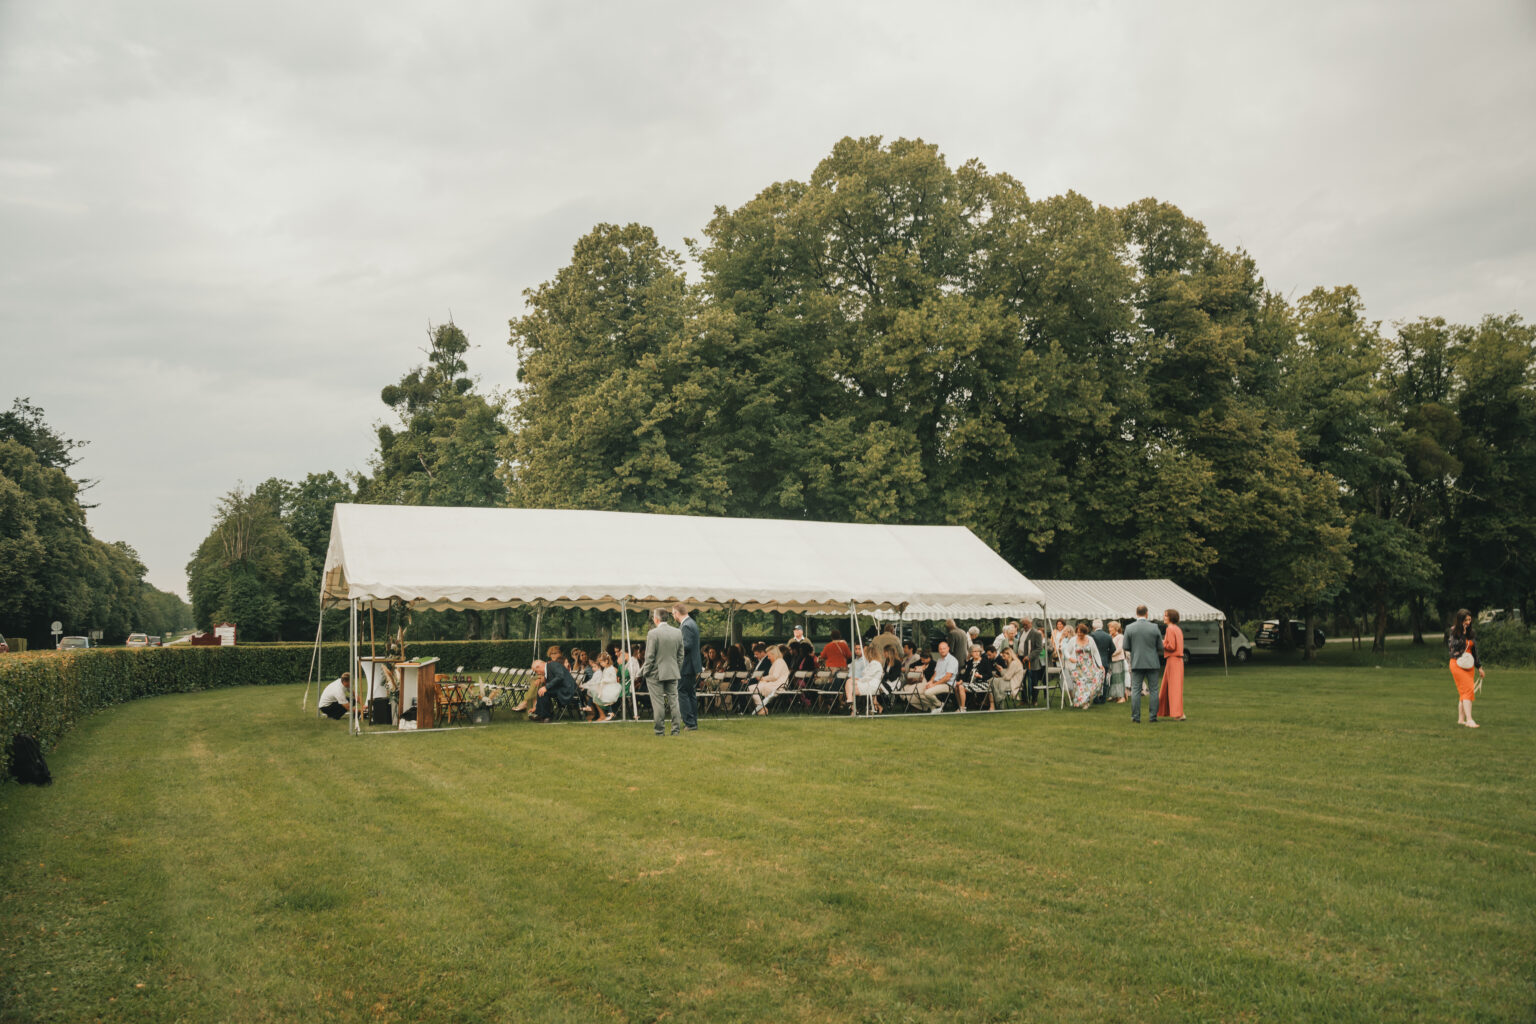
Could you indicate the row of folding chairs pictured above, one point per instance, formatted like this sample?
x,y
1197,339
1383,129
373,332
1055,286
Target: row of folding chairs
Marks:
x,y
506,687
806,691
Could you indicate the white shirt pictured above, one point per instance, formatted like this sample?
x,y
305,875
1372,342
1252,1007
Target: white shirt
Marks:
x,y
336,693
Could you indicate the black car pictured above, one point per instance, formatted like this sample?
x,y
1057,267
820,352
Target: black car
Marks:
x,y
1269,634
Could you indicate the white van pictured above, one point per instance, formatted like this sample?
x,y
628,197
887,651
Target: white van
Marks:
x,y
1204,638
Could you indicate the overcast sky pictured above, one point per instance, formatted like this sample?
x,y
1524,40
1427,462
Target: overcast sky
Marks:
x,y
225,227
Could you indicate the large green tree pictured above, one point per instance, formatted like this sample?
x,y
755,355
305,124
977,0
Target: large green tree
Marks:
x,y
443,450
250,570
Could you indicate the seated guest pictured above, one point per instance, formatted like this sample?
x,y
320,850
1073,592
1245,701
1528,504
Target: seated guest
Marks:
x,y
909,656
554,685
1008,680
773,682
932,691
335,700
761,665
736,659
972,678
865,684
835,654
604,689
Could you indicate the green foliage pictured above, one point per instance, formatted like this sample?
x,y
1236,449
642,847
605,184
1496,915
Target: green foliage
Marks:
x,y
1506,645
250,570
444,451
45,693
50,565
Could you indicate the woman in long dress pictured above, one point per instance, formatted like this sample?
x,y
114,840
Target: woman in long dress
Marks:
x,y
1117,664
1170,702
1082,669
1460,642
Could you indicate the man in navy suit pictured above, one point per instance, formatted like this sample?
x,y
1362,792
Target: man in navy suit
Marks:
x,y
688,685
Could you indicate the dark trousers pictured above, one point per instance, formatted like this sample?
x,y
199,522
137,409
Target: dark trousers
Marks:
x,y
335,711
1033,677
544,707
688,699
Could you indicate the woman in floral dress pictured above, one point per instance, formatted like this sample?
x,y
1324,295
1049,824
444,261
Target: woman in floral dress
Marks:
x,y
1082,669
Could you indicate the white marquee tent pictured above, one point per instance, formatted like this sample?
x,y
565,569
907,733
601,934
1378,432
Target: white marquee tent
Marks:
x,y
429,557
1117,599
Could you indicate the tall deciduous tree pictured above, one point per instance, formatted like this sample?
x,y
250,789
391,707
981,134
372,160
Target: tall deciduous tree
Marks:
x,y
444,449
249,570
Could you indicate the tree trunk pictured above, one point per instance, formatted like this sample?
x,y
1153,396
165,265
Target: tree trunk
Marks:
x,y
1379,641
1309,645
778,625
471,624
1416,613
605,630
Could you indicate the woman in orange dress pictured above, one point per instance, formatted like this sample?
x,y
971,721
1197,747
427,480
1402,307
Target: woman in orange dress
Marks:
x,y
1461,642
1170,702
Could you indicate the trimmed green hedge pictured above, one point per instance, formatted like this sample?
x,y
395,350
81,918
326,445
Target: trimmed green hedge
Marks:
x,y
44,693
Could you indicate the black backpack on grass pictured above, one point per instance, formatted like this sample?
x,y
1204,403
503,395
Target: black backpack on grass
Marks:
x,y
27,764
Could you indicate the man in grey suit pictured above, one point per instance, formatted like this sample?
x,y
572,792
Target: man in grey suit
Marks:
x,y
1144,646
663,668
693,664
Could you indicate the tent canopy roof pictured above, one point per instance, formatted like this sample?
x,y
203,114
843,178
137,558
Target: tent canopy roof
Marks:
x,y
436,557
1117,599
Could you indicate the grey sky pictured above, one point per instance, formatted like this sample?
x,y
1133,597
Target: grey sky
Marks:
x,y
226,227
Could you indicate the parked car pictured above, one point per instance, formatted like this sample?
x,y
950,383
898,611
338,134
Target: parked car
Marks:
x,y
1204,638
68,643
138,640
154,641
1269,633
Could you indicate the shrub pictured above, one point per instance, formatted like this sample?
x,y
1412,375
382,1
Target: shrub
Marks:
x,y
43,694
1506,645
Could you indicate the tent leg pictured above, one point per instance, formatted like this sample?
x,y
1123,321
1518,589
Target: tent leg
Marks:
x,y
1225,669
355,724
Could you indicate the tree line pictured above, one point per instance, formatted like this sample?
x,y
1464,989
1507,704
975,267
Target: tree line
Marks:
x,y
51,567
1095,391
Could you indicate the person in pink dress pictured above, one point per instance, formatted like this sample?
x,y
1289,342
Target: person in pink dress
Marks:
x,y
1170,703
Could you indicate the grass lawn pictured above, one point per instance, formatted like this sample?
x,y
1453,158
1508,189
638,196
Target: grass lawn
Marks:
x,y
1315,843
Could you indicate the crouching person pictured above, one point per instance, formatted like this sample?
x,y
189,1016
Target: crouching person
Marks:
x,y
553,685
336,699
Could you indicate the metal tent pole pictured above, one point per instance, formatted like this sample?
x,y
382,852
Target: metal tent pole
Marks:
x,y
355,725
853,640
314,658
1225,669
629,665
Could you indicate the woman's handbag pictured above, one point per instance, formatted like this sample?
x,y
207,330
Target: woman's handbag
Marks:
x,y
1466,660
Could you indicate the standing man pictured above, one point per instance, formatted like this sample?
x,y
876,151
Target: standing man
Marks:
x,y
688,684
1106,645
663,668
1007,638
1143,646
959,641
882,642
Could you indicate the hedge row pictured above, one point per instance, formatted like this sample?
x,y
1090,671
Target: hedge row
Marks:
x,y
44,693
